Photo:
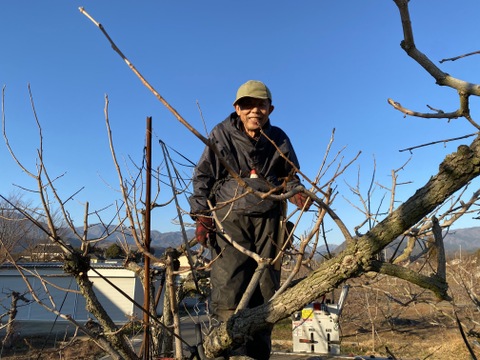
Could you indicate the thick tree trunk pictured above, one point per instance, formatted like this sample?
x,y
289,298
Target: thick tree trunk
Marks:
x,y
112,341
9,338
359,255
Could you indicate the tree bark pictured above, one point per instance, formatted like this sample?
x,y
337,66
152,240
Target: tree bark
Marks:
x,y
110,339
9,338
359,255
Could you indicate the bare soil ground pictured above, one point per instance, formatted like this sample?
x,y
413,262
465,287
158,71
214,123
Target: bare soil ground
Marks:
x,y
34,348
407,342
417,334
382,317
389,317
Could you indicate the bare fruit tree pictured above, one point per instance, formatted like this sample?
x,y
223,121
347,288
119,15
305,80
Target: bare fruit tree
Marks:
x,y
418,221
416,218
15,229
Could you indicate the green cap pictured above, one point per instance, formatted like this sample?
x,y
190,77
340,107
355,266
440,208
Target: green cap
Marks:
x,y
255,89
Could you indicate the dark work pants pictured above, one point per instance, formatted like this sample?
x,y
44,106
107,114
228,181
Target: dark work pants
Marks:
x,y
232,271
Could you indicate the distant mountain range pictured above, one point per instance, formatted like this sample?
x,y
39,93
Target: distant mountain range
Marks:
x,y
464,240
159,240
461,240
455,241
467,240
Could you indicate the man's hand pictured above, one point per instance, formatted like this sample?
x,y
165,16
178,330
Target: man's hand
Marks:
x,y
301,200
205,226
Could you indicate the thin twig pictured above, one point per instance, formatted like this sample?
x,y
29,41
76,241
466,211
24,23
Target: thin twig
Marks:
x,y
438,142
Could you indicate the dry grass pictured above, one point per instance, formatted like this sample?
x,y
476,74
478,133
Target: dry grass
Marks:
x,y
383,313
438,344
380,313
408,342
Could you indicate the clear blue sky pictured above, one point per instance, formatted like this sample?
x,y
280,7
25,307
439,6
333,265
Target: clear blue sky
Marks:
x,y
329,64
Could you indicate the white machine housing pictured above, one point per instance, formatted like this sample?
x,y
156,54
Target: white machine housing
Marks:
x,y
315,329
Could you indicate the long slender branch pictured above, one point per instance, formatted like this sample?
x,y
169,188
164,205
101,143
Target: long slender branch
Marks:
x,y
128,208
438,142
180,219
459,57
437,115
464,88
205,140
455,171
7,142
143,80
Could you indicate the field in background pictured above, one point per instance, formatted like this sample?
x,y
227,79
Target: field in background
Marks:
x,y
383,313
380,313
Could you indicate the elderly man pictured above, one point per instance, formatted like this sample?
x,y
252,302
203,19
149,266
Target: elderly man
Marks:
x,y
244,140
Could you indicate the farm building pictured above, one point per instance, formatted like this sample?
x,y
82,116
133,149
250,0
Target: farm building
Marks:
x,y
59,290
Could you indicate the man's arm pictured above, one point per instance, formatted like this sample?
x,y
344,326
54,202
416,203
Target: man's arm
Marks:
x,y
204,178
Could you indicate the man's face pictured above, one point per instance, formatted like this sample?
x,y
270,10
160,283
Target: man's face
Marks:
x,y
253,113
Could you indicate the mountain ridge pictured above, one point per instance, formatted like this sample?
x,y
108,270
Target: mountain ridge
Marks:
x,y
455,240
157,238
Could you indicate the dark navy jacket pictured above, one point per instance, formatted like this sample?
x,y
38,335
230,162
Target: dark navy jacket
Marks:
x,y
212,181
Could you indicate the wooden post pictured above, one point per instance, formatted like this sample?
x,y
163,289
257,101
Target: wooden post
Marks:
x,y
146,282
171,257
